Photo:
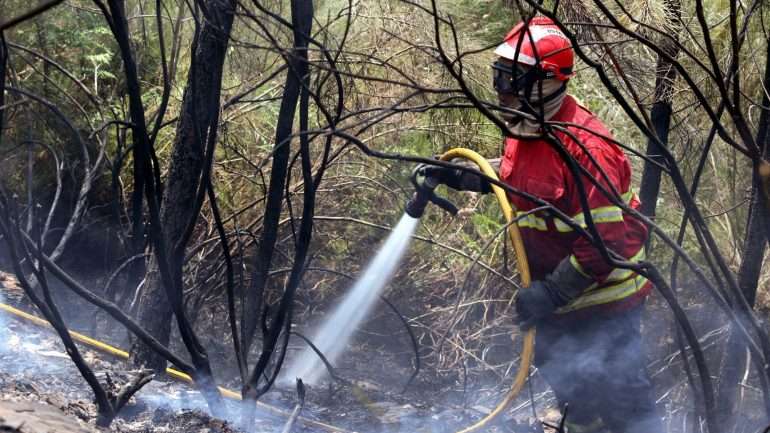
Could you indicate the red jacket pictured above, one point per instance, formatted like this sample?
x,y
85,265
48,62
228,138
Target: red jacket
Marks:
x,y
535,167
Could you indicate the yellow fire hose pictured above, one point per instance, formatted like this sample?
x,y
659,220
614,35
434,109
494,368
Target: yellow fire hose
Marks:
x,y
174,373
523,267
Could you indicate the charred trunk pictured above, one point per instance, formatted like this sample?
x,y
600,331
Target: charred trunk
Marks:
x,y
182,198
661,120
3,65
297,69
296,90
735,359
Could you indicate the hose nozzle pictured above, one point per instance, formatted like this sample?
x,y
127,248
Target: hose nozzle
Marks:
x,y
424,192
415,207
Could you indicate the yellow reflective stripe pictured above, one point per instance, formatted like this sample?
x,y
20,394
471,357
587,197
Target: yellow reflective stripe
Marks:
x,y
620,274
617,274
578,267
533,222
604,214
606,294
561,226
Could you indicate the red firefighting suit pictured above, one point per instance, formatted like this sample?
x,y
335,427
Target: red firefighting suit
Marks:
x,y
589,350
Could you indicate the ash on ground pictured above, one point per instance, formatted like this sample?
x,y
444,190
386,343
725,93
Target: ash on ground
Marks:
x,y
35,369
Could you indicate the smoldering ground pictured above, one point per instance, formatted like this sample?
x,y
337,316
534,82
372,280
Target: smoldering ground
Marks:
x,y
34,367
35,362
424,408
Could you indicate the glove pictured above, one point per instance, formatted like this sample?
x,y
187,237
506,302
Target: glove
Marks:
x,y
455,178
543,297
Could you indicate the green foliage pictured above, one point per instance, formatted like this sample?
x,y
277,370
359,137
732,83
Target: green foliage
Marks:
x,y
486,225
414,142
486,21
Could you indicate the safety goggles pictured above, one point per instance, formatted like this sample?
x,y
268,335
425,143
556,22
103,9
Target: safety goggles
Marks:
x,y
510,79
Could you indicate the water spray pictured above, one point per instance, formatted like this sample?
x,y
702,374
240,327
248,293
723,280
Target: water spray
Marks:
x,y
334,335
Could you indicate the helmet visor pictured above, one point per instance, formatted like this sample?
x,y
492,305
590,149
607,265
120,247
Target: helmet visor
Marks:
x,y
510,79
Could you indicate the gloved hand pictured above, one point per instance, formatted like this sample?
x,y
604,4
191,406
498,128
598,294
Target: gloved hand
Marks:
x,y
455,178
543,297
533,303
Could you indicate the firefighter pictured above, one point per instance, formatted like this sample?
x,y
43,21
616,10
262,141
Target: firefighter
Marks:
x,y
587,313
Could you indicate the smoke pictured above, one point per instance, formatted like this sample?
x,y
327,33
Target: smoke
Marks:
x,y
44,361
597,366
173,397
29,355
7,339
4,336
